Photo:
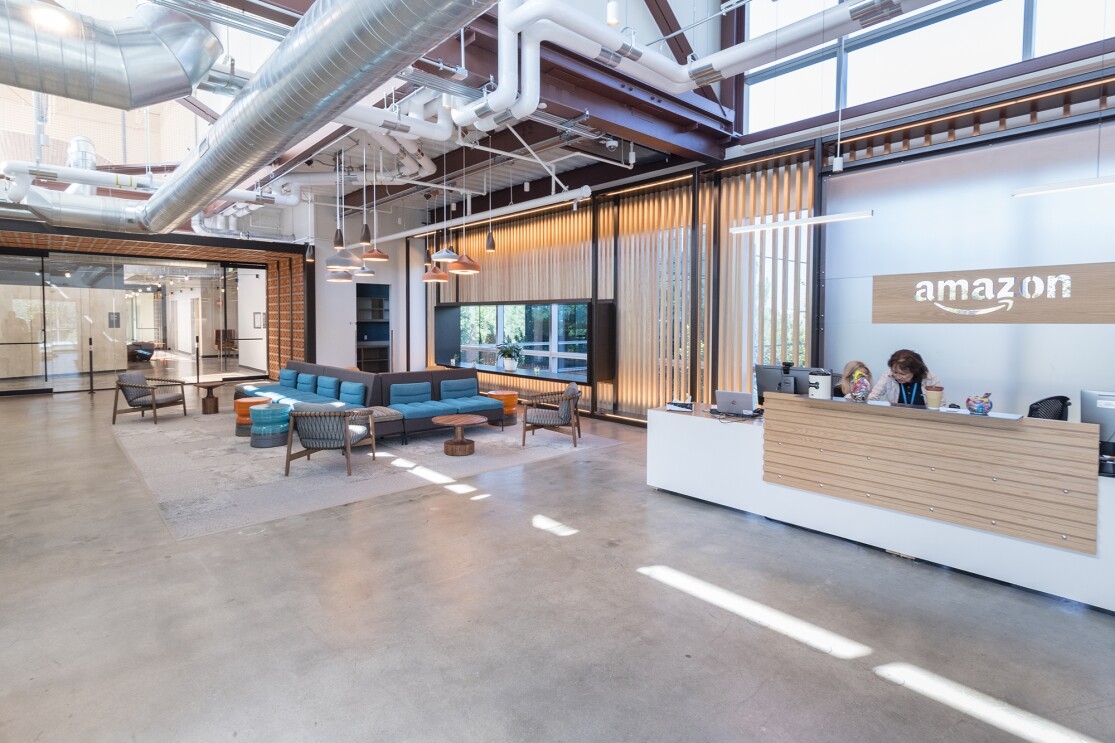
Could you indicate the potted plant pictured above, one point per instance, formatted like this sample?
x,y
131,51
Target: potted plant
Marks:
x,y
510,353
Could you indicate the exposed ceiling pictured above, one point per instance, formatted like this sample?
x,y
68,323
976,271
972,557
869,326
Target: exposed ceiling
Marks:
x,y
591,119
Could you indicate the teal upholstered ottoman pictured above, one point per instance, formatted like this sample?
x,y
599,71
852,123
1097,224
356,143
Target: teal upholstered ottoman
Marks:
x,y
270,424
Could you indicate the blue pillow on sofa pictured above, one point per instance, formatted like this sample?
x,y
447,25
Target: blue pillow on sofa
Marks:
x,y
329,387
288,378
407,393
307,382
353,393
453,388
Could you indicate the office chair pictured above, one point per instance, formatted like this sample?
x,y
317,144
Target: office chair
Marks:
x,y
1051,408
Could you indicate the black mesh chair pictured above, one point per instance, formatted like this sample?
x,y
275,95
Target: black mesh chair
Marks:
x,y
1051,408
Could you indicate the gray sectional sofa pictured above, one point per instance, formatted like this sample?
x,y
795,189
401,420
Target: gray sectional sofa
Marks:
x,y
406,402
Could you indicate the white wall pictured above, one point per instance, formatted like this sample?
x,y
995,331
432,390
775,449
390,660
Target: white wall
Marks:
x,y
957,212
251,297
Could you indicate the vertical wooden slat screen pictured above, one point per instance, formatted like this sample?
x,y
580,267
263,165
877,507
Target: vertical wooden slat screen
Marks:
x,y
653,299
547,257
765,296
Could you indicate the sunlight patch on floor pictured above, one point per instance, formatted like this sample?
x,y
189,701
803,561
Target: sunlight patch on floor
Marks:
x,y
815,637
990,710
545,523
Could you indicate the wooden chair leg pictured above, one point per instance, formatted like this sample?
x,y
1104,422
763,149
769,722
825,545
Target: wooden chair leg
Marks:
x,y
289,441
154,409
115,405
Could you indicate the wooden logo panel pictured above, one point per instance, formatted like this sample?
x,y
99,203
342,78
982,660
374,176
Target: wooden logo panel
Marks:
x,y
1076,293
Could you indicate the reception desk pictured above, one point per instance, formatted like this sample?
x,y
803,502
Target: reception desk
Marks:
x,y
992,513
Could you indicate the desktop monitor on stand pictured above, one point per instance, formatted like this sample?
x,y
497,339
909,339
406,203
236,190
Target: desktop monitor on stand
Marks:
x,y
1099,407
774,378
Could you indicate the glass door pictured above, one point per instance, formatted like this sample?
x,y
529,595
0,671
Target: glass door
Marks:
x,y
86,321
22,359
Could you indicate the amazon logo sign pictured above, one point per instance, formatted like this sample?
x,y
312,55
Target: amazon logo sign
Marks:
x,y
1039,294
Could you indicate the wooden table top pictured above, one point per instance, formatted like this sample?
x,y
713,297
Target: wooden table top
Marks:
x,y
459,419
208,385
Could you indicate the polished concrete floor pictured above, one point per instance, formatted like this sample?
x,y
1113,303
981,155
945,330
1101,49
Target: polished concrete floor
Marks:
x,y
435,616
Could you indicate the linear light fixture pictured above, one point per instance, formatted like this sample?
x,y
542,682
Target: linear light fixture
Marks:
x,y
803,222
1103,180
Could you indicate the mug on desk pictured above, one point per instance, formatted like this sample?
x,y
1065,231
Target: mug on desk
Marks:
x,y
934,396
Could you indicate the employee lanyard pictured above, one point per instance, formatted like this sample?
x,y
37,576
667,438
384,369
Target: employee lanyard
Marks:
x,y
902,391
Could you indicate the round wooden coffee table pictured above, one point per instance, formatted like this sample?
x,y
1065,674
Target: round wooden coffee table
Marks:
x,y
459,446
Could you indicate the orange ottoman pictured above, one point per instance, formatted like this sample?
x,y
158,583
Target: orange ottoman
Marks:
x,y
243,418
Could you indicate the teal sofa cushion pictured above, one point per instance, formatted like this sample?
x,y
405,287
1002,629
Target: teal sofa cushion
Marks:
x,y
475,404
288,378
329,387
451,388
353,393
426,409
414,392
307,382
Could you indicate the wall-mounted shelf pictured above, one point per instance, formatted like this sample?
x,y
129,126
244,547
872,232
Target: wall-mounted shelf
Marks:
x,y
373,328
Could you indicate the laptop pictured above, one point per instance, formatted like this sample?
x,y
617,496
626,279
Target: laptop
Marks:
x,y
734,403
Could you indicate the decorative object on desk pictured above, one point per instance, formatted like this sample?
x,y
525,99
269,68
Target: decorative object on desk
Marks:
x,y
509,354
679,406
979,404
861,386
453,360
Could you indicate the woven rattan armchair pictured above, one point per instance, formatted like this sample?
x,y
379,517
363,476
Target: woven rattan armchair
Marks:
x,y
553,411
319,430
147,393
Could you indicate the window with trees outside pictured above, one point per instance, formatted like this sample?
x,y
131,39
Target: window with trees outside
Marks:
x,y
553,337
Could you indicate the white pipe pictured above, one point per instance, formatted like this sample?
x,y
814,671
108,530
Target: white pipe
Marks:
x,y
380,179
365,116
201,226
582,34
426,166
583,192
507,61
24,172
409,165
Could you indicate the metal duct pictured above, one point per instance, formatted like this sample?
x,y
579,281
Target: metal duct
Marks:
x,y
339,52
154,55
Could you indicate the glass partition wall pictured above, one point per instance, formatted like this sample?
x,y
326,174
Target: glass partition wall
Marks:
x,y
72,322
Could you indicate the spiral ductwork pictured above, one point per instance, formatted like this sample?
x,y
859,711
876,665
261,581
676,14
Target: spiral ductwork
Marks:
x,y
338,53
154,55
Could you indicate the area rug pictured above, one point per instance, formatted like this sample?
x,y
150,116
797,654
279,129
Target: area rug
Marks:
x,y
207,480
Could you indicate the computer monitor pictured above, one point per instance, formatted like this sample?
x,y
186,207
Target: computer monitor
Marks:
x,y
1099,407
800,375
774,378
